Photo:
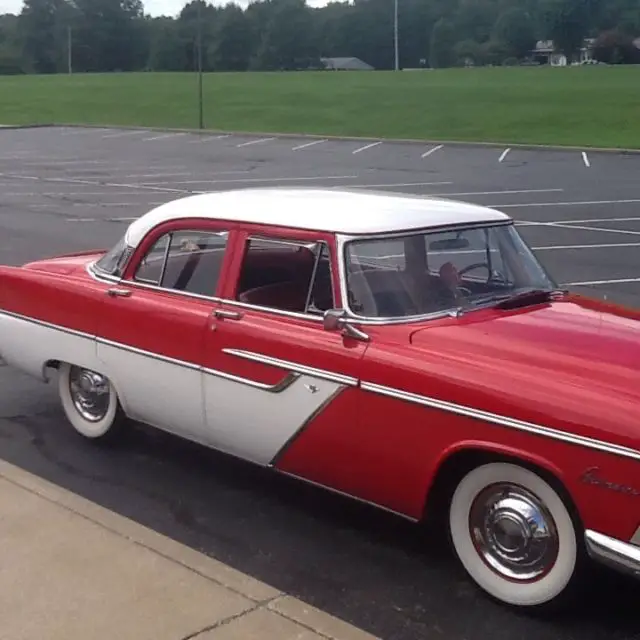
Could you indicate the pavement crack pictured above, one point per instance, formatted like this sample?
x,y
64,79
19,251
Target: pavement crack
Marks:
x,y
229,619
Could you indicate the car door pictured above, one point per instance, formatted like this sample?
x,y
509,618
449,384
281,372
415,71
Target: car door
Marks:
x,y
272,373
152,331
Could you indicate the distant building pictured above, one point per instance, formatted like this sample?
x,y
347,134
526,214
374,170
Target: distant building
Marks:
x,y
345,64
545,53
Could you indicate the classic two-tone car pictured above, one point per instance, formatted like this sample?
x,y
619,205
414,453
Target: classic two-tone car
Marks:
x,y
406,351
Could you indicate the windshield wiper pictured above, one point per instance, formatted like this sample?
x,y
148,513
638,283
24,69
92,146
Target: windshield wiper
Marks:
x,y
530,296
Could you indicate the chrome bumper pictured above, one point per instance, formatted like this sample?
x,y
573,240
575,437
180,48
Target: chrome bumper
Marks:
x,y
622,556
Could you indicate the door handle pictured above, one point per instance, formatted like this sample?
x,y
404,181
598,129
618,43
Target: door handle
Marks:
x,y
229,315
121,293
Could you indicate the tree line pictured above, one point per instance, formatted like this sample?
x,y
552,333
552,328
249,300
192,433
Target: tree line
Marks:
x,y
51,36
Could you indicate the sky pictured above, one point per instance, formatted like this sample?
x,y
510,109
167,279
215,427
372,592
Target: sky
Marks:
x,y
152,7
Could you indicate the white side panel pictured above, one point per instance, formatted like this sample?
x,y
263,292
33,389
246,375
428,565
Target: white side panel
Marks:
x,y
164,394
254,423
27,345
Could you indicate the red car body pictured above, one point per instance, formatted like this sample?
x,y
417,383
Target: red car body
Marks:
x,y
532,394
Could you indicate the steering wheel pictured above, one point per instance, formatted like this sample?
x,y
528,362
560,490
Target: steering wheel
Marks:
x,y
476,265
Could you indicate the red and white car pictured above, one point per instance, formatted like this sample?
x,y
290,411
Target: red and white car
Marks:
x,y
408,352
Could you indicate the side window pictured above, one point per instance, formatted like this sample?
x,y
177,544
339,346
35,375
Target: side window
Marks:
x,y
286,275
188,261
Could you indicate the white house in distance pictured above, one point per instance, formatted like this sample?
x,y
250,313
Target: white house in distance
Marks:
x,y
545,52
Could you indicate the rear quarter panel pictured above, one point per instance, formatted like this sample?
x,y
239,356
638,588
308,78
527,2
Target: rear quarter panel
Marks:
x,y
48,316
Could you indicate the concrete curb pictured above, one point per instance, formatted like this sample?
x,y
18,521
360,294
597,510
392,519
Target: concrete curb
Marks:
x,y
263,595
314,136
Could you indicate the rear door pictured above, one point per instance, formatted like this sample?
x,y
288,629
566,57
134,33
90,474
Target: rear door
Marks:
x,y
151,334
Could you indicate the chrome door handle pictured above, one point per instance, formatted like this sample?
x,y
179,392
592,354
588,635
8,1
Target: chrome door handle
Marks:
x,y
121,293
229,315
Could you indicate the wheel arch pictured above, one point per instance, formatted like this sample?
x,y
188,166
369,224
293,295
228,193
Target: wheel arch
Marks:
x,y
458,460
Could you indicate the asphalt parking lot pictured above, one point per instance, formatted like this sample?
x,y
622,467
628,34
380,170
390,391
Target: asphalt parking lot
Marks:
x,y
67,189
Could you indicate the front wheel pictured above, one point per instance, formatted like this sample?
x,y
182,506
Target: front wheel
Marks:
x,y
514,535
90,403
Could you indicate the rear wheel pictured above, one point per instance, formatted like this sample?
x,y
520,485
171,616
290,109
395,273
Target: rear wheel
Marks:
x,y
514,535
90,403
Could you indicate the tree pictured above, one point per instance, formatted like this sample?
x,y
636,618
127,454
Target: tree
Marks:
x,y
515,29
615,47
442,50
566,22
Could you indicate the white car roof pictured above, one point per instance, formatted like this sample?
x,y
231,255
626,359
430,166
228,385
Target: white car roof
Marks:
x,y
340,211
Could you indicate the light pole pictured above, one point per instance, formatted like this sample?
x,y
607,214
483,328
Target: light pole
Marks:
x,y
199,44
395,34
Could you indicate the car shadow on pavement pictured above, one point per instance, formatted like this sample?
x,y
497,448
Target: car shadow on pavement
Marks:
x,y
380,573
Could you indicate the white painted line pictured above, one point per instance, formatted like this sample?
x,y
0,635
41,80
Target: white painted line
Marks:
x,y
426,154
585,159
164,136
259,141
589,220
308,144
504,155
122,219
286,179
121,134
565,247
396,184
568,204
81,220
366,146
207,138
97,183
595,282
455,193
575,226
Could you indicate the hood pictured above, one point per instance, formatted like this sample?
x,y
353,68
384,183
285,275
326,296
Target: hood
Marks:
x,y
65,264
572,363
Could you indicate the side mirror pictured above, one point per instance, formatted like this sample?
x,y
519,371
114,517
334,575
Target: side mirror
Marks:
x,y
336,320
333,319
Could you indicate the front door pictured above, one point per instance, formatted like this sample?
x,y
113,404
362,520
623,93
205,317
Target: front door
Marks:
x,y
272,371
152,332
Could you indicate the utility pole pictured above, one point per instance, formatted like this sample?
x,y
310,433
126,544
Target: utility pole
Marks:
x,y
199,39
395,34
69,56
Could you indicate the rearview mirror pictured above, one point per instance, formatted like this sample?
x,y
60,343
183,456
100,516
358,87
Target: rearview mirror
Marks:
x,y
449,245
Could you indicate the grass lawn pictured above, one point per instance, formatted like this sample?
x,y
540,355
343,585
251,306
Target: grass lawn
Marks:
x,y
596,106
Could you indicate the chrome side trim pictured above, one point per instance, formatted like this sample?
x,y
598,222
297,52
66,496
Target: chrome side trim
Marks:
x,y
299,368
148,354
618,555
295,370
636,538
503,421
346,495
304,425
48,325
278,387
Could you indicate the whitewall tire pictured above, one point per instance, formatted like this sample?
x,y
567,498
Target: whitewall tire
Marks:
x,y
514,536
90,403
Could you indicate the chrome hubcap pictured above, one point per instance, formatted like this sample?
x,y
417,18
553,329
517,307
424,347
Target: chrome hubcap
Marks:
x,y
513,532
90,393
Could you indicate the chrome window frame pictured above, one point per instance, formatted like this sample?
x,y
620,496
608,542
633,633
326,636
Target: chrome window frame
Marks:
x,y
342,240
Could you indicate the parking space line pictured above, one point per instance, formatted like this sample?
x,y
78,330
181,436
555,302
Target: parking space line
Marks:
x,y
308,144
575,203
454,193
596,282
575,226
366,146
504,155
285,179
426,154
122,134
207,138
589,220
259,141
585,159
163,136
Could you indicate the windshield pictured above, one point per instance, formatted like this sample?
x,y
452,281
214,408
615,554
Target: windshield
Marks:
x,y
430,272
114,260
